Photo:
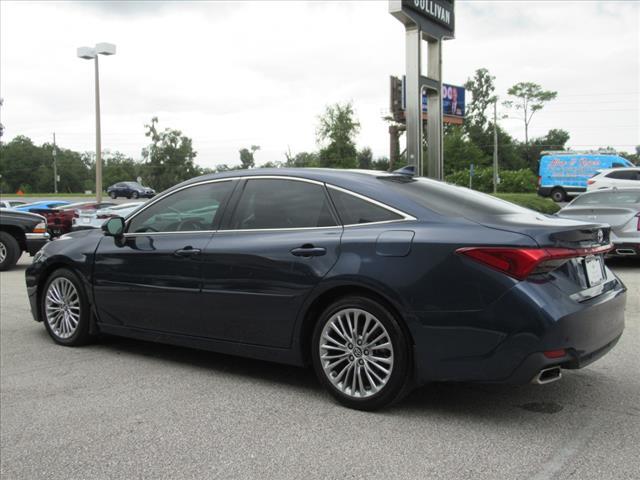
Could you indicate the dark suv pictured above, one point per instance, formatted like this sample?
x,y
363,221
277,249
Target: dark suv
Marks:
x,y
20,232
130,190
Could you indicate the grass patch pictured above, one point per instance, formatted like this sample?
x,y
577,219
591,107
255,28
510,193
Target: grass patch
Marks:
x,y
532,201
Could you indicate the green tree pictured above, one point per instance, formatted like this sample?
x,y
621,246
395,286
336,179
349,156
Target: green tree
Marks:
x,y
528,98
337,130
169,159
460,152
482,89
118,167
247,159
365,158
302,160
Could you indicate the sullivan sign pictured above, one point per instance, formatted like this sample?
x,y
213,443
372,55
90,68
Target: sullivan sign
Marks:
x,y
438,11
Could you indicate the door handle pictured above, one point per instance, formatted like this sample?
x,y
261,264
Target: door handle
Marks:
x,y
187,252
308,251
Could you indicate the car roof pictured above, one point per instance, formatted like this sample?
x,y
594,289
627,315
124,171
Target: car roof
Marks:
x,y
607,170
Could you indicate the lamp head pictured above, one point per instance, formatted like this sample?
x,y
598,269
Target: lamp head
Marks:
x,y
87,53
105,48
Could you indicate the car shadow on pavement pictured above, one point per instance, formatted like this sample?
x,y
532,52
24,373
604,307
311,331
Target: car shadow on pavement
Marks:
x,y
448,399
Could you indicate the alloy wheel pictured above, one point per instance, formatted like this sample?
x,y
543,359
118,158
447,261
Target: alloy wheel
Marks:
x,y
356,353
62,305
3,252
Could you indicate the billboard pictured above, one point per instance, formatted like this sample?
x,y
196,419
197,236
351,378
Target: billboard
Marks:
x,y
453,100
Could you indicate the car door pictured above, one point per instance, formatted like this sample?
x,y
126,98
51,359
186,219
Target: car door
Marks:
x,y
280,241
151,278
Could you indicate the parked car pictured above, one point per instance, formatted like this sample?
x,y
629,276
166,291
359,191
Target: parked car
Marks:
x,y
381,281
564,174
620,208
130,190
615,177
94,219
11,203
42,204
20,232
60,219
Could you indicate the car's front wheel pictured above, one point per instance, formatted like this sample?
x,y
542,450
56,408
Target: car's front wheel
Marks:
x,y
113,195
64,309
9,251
360,354
135,195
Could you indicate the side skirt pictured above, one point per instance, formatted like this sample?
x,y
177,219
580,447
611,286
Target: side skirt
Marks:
x,y
258,352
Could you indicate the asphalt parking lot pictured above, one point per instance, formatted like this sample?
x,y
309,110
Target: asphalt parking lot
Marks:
x,y
129,409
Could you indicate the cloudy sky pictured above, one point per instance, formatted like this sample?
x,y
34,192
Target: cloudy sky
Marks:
x,y
233,74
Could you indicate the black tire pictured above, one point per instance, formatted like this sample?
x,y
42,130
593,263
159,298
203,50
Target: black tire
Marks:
x,y
113,195
10,249
398,381
80,335
135,195
558,195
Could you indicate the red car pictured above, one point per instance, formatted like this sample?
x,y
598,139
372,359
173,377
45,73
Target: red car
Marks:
x,y
59,219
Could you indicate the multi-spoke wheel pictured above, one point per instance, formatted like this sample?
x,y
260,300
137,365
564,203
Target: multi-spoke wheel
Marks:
x,y
64,308
360,353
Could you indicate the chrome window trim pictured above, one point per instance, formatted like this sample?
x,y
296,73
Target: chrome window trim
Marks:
x,y
405,216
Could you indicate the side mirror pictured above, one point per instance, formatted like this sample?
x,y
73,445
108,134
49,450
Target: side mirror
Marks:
x,y
114,227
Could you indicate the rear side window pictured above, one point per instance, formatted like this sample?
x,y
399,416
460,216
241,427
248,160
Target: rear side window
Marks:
x,y
269,203
355,210
452,200
623,175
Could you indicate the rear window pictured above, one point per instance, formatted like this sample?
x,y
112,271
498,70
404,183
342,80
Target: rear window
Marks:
x,y
608,198
451,200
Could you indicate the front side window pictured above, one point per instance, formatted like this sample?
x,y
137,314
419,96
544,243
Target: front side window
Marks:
x,y
274,203
192,209
355,210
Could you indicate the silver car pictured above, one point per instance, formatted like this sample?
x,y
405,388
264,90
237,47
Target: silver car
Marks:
x,y
620,208
94,219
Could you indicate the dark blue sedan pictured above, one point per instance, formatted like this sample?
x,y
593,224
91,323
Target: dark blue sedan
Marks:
x,y
380,281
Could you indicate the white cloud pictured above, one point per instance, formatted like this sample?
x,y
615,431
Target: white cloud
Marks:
x,y
234,74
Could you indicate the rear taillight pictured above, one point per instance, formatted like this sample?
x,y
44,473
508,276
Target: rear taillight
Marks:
x,y
40,228
105,215
590,182
539,181
522,262
638,226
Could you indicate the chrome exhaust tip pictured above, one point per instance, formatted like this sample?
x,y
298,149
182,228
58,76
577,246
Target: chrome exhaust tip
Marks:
x,y
625,251
547,375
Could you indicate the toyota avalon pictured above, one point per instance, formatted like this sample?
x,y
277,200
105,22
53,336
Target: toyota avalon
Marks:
x,y
380,281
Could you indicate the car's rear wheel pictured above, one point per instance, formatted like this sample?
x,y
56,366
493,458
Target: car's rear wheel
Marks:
x,y
361,354
558,195
9,251
64,309
113,195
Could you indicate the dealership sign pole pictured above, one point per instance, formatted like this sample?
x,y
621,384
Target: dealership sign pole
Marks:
x,y
433,21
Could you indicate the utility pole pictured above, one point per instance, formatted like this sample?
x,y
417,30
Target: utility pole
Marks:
x,y
55,165
98,142
495,144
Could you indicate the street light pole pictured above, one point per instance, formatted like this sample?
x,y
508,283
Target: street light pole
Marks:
x,y
98,137
88,53
495,145
55,165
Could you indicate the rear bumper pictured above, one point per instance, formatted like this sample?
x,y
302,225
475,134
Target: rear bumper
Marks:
x,y
505,343
35,241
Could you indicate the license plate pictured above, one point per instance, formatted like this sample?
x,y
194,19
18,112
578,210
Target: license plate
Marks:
x,y
595,274
86,220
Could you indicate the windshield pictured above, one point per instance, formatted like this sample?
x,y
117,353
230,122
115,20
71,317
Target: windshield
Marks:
x,y
451,200
608,198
